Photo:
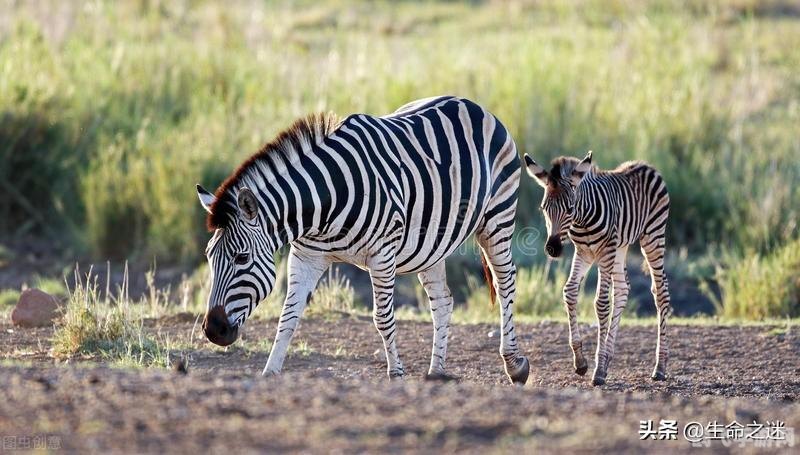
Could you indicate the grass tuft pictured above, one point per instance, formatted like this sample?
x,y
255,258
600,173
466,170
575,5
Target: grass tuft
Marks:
x,y
111,327
538,294
334,294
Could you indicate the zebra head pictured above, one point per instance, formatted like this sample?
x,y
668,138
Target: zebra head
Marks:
x,y
558,204
241,261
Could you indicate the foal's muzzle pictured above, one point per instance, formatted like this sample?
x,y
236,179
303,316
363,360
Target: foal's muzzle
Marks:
x,y
217,328
554,247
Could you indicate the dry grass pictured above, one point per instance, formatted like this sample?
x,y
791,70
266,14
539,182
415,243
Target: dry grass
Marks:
x,y
106,325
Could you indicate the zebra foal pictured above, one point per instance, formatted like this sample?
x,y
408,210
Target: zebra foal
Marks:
x,y
603,213
392,195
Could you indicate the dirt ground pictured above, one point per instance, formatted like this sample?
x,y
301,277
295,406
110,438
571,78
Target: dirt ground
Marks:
x,y
334,396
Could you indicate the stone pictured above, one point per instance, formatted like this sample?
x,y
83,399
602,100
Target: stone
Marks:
x,y
35,308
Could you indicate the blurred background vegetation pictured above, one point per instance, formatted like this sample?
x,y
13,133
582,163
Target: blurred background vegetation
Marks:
x,y
110,112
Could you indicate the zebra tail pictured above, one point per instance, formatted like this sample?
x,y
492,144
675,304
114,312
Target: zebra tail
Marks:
x,y
487,275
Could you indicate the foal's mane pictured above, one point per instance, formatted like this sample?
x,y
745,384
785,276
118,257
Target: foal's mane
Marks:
x,y
311,129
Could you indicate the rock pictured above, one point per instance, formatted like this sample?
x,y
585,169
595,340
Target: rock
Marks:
x,y
35,308
493,334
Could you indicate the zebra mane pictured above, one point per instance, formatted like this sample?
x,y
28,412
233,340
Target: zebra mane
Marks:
x,y
298,137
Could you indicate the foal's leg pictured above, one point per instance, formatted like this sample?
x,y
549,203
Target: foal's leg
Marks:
x,y
571,294
653,250
621,290
602,308
434,282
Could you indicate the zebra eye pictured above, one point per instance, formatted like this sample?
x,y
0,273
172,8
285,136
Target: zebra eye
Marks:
x,y
241,258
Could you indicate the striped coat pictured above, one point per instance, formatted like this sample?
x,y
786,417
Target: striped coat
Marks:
x,y
392,195
603,213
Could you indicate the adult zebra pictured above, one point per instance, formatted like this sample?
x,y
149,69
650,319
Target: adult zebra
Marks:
x,y
392,195
604,212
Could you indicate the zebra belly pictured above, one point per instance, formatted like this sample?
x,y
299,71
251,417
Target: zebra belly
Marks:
x,y
424,245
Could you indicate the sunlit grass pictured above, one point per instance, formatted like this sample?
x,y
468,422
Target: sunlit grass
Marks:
x,y
632,321
105,130
119,123
333,294
760,286
8,298
106,326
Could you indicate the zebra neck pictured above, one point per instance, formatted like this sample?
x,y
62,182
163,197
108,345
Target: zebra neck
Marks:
x,y
586,194
295,200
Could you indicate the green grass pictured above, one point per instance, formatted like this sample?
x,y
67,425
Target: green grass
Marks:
x,y
105,130
8,298
538,294
760,286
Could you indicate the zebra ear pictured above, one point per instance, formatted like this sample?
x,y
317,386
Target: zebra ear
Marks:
x,y
248,204
206,199
581,169
538,173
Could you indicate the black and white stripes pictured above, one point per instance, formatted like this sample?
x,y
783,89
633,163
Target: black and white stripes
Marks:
x,y
392,195
604,212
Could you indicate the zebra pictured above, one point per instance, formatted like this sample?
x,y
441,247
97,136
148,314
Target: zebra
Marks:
x,y
604,212
392,195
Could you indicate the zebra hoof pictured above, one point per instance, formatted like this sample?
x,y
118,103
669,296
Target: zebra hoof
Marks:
x,y
270,373
520,376
658,376
440,376
396,375
598,381
582,369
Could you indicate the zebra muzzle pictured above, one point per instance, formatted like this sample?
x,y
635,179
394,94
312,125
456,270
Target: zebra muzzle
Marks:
x,y
554,247
217,328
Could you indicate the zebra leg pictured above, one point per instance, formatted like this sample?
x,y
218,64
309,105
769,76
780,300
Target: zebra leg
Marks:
x,y
304,273
571,293
382,274
434,282
653,250
621,290
602,310
498,256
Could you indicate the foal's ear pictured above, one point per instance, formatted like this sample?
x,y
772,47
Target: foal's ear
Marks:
x,y
538,173
206,198
581,169
248,204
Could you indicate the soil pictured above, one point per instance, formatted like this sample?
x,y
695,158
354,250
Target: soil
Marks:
x,y
334,395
